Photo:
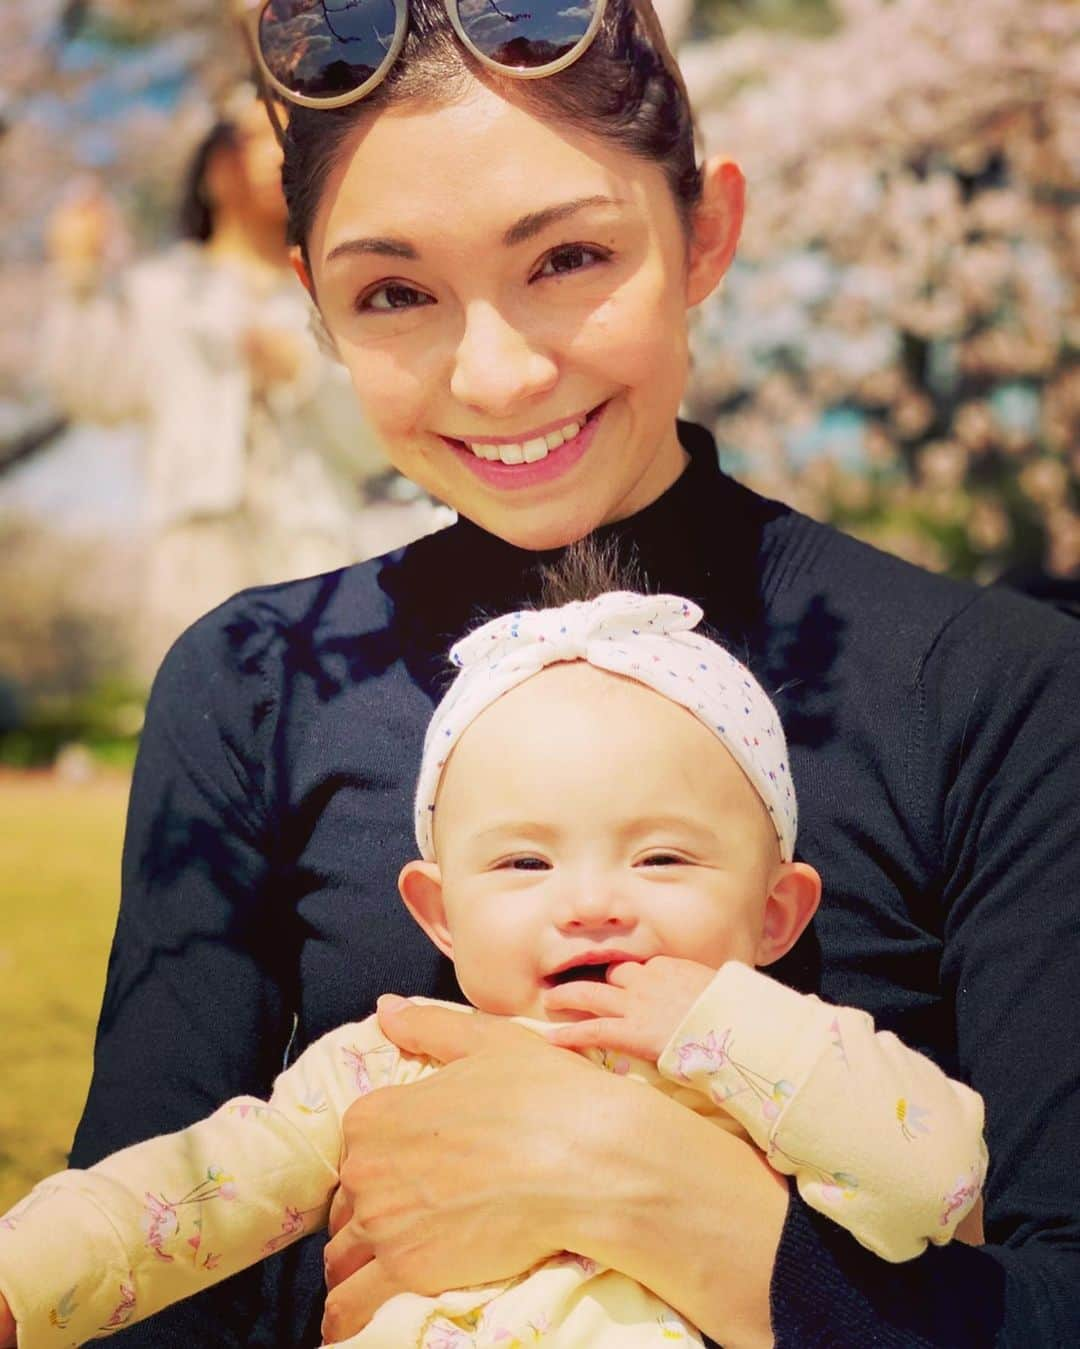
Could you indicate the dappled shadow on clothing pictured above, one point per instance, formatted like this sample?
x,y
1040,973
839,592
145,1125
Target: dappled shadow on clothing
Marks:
x,y
304,659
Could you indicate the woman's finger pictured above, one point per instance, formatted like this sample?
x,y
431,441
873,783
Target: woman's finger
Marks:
x,y
600,1033
345,1253
341,1211
352,1304
585,996
446,1034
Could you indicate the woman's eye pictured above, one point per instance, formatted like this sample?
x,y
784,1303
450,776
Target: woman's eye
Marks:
x,y
393,295
570,258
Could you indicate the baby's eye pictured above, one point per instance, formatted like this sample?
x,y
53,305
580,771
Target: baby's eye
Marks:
x,y
393,295
662,859
526,864
570,258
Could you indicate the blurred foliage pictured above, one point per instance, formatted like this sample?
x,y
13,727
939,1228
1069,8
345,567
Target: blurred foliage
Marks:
x,y
63,648
105,720
895,349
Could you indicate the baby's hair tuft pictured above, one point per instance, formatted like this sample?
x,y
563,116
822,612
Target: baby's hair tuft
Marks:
x,y
589,568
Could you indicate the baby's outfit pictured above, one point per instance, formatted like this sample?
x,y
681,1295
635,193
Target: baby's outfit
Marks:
x,y
875,1135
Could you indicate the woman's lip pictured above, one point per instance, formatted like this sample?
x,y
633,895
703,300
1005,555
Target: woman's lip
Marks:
x,y
535,434
555,463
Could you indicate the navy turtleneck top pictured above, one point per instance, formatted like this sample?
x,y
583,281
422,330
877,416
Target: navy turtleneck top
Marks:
x,y
935,744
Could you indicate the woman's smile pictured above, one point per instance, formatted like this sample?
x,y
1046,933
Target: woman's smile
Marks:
x,y
538,327
539,457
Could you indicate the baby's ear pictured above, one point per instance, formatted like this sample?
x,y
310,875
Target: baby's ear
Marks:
x,y
420,886
792,901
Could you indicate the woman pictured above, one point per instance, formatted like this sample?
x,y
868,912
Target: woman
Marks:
x,y
522,356
254,449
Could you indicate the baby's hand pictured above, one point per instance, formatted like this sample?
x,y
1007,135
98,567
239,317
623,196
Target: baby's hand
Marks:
x,y
636,1010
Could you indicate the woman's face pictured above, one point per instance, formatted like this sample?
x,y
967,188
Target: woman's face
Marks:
x,y
510,300
245,179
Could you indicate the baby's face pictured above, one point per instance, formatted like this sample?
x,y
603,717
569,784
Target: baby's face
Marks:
x,y
584,819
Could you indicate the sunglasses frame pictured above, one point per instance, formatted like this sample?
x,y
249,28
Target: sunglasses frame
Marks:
x,y
249,14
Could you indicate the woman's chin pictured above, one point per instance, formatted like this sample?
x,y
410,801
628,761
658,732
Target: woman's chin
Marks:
x,y
540,530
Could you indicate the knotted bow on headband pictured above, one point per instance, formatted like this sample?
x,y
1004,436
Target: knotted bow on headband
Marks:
x,y
648,638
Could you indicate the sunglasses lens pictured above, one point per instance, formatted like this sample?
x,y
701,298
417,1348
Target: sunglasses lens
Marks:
x,y
525,34
322,48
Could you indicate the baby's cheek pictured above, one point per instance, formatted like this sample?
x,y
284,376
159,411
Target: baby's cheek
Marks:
x,y
495,968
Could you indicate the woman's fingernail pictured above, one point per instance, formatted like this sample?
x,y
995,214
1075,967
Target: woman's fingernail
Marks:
x,y
390,1002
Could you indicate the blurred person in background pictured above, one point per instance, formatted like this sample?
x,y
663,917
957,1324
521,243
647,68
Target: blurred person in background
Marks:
x,y
507,268
256,456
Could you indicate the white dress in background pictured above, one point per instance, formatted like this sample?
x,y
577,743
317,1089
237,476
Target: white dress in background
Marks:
x,y
246,482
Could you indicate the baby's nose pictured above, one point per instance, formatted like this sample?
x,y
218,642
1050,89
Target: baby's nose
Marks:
x,y
597,908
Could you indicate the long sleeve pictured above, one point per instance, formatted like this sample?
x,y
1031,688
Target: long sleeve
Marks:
x,y
199,996
995,766
875,1135
89,1251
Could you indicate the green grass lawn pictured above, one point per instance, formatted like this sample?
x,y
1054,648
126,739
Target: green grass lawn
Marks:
x,y
59,884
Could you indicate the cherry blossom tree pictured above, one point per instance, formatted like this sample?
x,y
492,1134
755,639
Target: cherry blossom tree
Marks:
x,y
894,350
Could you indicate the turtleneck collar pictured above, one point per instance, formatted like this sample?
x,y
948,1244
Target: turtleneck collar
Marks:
x,y
703,538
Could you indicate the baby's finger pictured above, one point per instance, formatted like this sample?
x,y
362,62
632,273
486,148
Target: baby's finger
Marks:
x,y
597,1034
585,996
624,973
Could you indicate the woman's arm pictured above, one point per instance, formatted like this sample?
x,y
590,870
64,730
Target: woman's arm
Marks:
x,y
1000,747
199,997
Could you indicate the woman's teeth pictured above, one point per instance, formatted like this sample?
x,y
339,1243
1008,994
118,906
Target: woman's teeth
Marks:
x,y
528,451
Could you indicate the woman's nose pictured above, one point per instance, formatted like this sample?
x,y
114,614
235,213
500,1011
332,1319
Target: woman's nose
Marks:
x,y
496,367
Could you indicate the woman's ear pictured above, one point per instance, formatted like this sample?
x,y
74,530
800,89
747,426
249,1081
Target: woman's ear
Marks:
x,y
792,901
300,267
717,224
420,886
316,323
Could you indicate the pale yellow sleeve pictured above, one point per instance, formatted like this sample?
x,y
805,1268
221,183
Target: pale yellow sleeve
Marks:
x,y
88,1252
877,1137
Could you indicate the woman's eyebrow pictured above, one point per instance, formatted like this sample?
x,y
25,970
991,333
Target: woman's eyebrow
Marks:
x,y
518,233
532,224
387,248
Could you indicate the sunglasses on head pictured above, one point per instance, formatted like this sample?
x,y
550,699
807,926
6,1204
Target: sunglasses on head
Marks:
x,y
329,53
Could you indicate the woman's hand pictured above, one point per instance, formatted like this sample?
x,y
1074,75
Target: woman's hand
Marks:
x,y
471,1175
637,1009
518,1150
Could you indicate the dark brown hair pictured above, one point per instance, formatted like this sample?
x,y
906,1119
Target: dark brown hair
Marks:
x,y
195,219
626,89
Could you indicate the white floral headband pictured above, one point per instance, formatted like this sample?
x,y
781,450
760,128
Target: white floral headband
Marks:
x,y
648,638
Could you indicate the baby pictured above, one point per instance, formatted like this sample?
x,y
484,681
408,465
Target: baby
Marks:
x,y
606,828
